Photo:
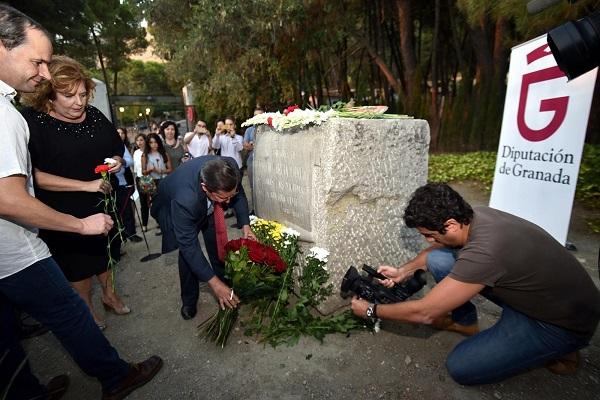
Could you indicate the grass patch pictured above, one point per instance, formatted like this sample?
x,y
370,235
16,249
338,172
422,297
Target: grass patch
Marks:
x,y
479,166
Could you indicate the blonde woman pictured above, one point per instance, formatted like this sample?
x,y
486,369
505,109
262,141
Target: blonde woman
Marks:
x,y
69,138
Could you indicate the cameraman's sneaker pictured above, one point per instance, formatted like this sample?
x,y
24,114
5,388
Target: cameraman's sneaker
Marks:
x,y
445,323
566,365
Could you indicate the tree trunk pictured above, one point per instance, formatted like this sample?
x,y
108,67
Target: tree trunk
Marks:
x,y
409,61
381,64
100,57
484,74
434,117
343,86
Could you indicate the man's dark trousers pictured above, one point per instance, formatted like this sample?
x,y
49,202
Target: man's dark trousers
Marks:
x,y
42,291
190,289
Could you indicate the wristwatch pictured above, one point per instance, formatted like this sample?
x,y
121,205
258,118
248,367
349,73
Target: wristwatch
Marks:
x,y
372,311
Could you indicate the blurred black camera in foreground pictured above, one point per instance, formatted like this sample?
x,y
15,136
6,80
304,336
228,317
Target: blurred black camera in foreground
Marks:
x,y
366,288
576,45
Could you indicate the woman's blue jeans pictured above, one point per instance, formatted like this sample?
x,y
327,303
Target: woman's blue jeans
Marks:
x,y
42,291
514,344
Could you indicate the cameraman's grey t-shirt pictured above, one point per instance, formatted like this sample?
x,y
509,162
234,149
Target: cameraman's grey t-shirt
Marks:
x,y
526,268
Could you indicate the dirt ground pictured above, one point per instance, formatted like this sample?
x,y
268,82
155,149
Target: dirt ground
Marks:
x,y
400,362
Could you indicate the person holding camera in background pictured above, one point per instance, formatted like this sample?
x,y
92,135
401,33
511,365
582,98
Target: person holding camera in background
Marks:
x,y
199,142
550,305
231,145
229,142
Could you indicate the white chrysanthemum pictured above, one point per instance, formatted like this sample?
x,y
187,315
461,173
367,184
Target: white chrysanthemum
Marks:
x,y
319,254
377,326
296,118
257,119
253,219
290,232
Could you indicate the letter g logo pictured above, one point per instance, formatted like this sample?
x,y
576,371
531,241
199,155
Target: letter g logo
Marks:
x,y
557,104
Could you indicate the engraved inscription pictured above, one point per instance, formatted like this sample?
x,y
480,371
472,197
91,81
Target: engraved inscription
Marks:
x,y
283,179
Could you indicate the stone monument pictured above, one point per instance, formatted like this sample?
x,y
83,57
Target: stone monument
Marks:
x,y
344,185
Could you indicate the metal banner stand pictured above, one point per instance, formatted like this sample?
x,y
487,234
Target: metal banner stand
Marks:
x,y
150,256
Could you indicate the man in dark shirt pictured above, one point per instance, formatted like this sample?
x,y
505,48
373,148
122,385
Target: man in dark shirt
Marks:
x,y
551,307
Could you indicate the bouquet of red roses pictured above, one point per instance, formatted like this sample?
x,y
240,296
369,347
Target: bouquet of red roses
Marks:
x,y
258,253
255,271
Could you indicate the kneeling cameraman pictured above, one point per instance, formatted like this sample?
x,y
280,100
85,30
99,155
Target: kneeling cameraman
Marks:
x,y
550,306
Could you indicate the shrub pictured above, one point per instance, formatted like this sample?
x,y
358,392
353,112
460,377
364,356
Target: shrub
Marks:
x,y
479,166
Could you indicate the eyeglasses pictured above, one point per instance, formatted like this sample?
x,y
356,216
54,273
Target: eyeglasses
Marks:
x,y
217,196
223,199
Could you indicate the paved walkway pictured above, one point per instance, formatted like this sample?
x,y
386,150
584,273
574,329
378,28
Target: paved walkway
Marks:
x,y
400,362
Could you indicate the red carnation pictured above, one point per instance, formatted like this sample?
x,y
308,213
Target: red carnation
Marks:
x,y
101,168
270,121
290,109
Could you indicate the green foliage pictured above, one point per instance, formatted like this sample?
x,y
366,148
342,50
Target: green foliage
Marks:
x,y
143,78
88,30
300,317
313,52
147,78
479,166
312,283
588,182
476,166
594,224
66,20
239,54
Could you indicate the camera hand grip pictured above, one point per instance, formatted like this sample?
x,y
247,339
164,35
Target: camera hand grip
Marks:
x,y
373,272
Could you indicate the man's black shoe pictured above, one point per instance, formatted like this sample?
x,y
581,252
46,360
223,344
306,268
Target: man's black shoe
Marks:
x,y
138,376
135,238
31,329
188,312
57,387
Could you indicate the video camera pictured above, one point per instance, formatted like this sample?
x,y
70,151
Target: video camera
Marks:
x,y
364,286
575,45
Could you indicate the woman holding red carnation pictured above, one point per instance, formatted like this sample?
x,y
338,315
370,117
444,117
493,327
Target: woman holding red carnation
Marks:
x,y
69,138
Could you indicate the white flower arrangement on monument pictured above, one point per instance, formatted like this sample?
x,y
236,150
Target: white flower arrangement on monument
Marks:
x,y
294,116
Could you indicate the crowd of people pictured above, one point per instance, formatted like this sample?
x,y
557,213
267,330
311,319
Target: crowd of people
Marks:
x,y
55,230
161,150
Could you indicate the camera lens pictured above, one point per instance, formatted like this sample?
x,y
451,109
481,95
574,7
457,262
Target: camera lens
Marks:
x,y
576,45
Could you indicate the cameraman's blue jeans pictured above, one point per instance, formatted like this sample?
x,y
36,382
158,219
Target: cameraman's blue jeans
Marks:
x,y
42,291
514,344
439,264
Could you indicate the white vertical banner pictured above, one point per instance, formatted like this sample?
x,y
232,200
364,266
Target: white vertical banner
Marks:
x,y
100,100
541,141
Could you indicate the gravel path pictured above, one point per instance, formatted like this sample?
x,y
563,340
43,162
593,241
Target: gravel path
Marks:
x,y
400,362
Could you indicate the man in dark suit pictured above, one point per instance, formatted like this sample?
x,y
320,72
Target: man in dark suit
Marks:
x,y
184,207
